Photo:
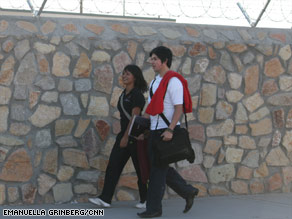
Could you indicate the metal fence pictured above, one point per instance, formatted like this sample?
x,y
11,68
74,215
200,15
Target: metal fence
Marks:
x,y
193,11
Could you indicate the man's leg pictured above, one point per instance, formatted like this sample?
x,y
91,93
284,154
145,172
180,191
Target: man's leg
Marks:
x,y
179,185
157,181
156,189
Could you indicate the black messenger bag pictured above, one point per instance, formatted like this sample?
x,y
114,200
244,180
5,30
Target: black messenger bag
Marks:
x,y
177,149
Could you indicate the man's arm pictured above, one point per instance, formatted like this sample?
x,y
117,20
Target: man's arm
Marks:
x,y
178,109
168,133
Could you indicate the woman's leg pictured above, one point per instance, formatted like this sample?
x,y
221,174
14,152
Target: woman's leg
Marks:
x,y
142,186
117,161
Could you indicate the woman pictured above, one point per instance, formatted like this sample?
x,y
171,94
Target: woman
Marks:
x,y
131,102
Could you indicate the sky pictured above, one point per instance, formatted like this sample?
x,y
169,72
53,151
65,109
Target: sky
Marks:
x,y
214,12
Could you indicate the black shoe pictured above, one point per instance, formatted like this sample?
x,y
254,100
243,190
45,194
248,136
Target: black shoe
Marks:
x,y
190,200
145,214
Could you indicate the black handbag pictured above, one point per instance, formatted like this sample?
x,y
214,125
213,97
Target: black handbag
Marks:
x,y
177,149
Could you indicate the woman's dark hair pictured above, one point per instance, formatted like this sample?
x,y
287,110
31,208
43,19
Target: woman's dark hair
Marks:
x,y
163,53
140,82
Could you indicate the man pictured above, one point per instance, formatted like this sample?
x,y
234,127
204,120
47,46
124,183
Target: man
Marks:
x,y
174,86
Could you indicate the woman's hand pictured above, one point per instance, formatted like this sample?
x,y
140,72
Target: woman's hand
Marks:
x,y
124,141
140,137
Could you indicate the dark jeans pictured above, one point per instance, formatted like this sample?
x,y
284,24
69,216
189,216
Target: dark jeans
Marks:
x,y
160,176
117,161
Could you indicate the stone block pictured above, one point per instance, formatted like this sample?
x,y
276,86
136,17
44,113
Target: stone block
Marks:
x,y
62,192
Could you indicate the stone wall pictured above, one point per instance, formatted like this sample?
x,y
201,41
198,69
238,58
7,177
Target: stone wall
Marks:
x,y
59,86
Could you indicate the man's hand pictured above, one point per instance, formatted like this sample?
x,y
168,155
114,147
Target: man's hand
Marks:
x,y
167,135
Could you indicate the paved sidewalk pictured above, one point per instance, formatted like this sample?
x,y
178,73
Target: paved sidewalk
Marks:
x,y
267,206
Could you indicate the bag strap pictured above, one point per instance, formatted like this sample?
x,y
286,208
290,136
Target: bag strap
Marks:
x,y
168,123
122,106
151,91
161,114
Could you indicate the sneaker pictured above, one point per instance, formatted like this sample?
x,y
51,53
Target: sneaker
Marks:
x,y
99,202
141,205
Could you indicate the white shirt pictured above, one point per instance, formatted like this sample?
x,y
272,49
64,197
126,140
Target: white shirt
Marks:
x,y
173,96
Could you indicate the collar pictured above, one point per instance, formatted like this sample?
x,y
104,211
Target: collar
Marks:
x,y
158,77
131,91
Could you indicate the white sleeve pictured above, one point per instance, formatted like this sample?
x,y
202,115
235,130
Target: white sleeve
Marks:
x,y
175,89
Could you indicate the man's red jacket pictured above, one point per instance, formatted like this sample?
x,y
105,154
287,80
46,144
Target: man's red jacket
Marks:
x,y
156,104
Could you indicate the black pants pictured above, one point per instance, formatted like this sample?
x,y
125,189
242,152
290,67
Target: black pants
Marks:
x,y
117,161
161,176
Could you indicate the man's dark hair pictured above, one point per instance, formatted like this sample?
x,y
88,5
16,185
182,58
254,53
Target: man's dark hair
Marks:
x,y
163,53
